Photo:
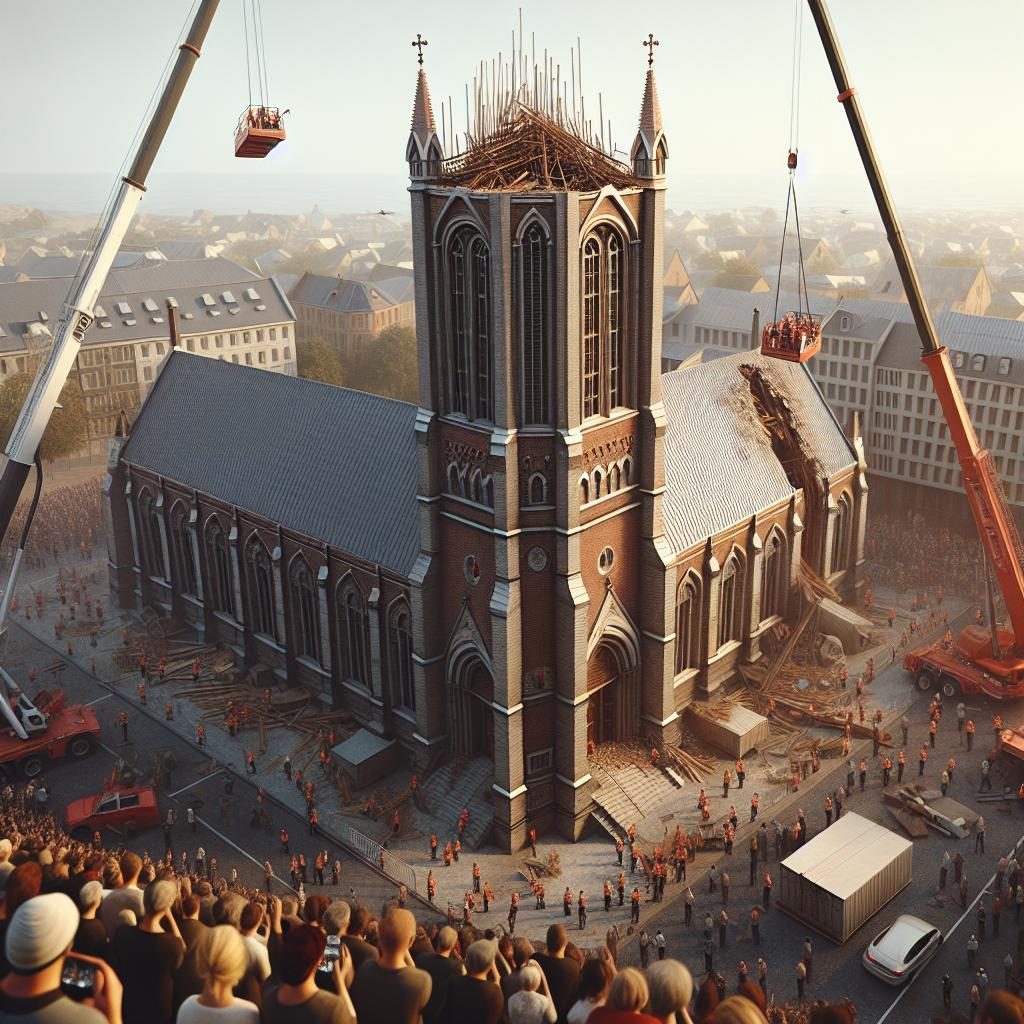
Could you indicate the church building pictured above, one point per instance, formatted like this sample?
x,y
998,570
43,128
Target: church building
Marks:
x,y
558,547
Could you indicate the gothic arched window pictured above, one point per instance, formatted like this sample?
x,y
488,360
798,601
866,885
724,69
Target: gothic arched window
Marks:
x,y
149,528
731,601
688,620
841,535
259,578
305,609
471,378
773,575
219,586
181,549
353,633
403,684
535,326
604,363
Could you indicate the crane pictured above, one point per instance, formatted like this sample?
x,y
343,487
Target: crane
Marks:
x,y
989,661
53,729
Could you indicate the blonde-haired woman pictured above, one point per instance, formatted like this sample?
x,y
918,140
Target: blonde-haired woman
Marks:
x,y
627,996
221,960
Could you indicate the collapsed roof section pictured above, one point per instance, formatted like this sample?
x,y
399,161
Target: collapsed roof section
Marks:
x,y
530,151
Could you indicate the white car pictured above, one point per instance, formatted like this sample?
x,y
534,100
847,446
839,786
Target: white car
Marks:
x,y
895,953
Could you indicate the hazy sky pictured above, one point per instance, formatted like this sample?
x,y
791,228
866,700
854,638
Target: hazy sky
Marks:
x,y
939,79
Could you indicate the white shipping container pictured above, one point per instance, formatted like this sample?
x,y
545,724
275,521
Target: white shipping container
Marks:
x,y
844,875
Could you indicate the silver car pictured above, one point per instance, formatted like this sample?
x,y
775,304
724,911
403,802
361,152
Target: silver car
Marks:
x,y
895,953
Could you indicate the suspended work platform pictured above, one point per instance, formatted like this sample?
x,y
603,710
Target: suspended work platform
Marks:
x,y
259,130
795,338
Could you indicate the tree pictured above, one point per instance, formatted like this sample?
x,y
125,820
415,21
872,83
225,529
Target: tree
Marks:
x,y
68,430
318,361
386,365
737,268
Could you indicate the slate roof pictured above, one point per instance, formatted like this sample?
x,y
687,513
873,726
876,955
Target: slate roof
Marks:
x,y
719,464
346,296
294,451
22,303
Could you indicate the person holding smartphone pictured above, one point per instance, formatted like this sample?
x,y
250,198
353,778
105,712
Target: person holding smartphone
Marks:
x,y
38,944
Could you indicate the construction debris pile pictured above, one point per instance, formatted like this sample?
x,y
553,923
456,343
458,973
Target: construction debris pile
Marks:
x,y
917,807
692,763
206,675
529,150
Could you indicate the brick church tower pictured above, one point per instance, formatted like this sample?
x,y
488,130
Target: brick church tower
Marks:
x,y
542,608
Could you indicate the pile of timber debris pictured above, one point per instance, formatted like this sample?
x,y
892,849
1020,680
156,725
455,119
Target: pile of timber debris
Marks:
x,y
529,150
692,763
916,808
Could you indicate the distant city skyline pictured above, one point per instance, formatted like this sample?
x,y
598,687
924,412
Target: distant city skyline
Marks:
x,y
348,75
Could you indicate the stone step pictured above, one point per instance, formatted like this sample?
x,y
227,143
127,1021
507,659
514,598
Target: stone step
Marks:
x,y
606,822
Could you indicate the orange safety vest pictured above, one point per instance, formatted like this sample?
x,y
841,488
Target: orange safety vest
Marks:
x,y
901,757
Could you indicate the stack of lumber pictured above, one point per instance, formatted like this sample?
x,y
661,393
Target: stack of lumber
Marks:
x,y
689,765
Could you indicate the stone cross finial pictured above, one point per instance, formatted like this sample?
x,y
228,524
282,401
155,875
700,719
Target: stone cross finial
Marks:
x,y
650,42
419,42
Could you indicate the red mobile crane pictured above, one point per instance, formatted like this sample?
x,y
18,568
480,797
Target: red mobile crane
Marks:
x,y
979,660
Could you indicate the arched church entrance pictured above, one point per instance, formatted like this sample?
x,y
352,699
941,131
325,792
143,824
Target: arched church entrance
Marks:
x,y
471,692
612,705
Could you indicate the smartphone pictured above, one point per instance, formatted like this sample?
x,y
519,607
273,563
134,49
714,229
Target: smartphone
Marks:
x,y
78,979
332,951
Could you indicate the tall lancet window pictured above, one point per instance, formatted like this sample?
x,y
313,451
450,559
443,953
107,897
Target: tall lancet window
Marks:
x,y
534,313
604,363
471,376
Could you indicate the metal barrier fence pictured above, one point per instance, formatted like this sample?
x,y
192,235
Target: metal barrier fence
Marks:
x,y
377,855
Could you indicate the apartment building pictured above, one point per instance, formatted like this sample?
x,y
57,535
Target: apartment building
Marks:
x,y
348,314
222,310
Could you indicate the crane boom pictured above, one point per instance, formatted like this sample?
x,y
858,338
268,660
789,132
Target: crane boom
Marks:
x,y
77,315
996,527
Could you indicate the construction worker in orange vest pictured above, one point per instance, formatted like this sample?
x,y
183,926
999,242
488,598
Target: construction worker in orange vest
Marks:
x,y
122,721
901,764
619,847
829,808
997,727
741,773
200,735
726,779
607,896
886,770
753,807
969,729
766,891
922,757
933,728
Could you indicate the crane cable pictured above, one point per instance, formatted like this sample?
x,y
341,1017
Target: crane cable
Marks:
x,y
248,58
794,148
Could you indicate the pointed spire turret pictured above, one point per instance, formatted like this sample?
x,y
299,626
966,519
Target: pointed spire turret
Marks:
x,y
423,153
650,148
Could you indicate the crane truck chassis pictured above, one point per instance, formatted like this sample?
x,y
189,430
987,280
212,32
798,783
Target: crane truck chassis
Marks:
x,y
68,731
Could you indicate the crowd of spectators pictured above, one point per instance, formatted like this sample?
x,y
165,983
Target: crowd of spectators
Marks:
x,y
68,519
909,553
89,935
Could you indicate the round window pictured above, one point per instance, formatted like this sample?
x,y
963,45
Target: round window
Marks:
x,y
471,569
605,560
